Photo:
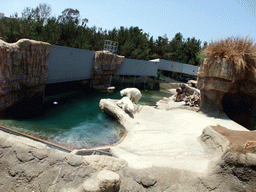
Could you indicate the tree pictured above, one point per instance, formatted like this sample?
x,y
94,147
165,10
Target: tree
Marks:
x,y
10,30
70,30
41,12
175,48
152,49
191,48
73,16
27,14
51,31
162,46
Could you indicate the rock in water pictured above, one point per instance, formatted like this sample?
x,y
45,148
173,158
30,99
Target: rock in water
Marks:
x,y
105,65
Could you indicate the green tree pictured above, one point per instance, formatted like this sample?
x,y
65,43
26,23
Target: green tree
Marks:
x,y
10,30
41,12
152,49
70,30
175,48
161,47
201,55
69,15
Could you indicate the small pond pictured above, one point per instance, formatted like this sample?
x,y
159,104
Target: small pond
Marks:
x,y
74,119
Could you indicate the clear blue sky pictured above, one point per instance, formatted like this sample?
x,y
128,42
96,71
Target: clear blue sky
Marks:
x,y
203,19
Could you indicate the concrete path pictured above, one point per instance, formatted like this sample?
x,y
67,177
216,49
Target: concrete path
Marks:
x,y
167,138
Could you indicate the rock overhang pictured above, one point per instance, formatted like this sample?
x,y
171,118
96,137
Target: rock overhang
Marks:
x,y
227,80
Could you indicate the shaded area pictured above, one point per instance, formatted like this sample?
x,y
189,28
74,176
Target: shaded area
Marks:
x,y
240,108
27,107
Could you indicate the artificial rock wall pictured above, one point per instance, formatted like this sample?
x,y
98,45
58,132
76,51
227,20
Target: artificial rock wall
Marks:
x,y
221,92
23,75
214,80
106,64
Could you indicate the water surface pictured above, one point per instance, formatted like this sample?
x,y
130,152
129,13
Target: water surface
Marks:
x,y
74,119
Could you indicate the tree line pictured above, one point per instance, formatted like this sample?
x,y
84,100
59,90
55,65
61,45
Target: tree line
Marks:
x,y
69,29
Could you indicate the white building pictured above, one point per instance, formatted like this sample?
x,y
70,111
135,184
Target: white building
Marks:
x,y
1,15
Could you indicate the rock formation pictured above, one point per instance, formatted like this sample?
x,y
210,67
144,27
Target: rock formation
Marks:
x,y
188,93
106,64
231,153
105,180
23,75
27,165
227,80
234,158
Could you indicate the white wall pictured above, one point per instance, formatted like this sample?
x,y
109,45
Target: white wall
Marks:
x,y
170,66
177,67
138,67
69,64
190,69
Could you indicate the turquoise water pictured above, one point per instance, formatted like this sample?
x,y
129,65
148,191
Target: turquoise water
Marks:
x,y
74,119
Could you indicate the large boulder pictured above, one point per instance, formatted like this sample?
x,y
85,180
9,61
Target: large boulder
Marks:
x,y
23,75
104,181
233,165
227,80
109,107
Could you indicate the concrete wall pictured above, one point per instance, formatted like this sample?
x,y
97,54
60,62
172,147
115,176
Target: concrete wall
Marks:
x,y
138,67
177,67
190,69
170,66
69,64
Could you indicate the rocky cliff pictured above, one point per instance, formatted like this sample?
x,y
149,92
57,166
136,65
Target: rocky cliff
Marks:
x,y
214,80
23,75
106,64
227,80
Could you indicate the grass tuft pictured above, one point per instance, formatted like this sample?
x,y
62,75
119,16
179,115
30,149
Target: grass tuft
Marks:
x,y
241,52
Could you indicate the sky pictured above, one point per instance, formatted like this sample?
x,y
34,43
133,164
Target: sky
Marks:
x,y
207,20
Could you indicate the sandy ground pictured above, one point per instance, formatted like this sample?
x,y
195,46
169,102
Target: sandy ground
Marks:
x,y
168,138
242,141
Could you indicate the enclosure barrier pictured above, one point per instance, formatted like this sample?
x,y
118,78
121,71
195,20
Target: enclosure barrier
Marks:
x,y
72,64
177,67
9,130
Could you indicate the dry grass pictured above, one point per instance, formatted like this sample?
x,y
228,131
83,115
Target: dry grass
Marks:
x,y
241,52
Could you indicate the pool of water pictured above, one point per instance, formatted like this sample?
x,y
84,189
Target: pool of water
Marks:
x,y
74,119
